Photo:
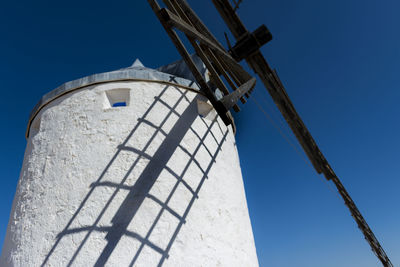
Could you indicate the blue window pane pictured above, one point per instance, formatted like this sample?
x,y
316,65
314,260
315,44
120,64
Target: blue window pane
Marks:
x,y
119,104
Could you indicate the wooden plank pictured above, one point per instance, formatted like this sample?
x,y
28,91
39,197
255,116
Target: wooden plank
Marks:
x,y
178,23
214,75
225,116
171,7
231,73
215,78
196,21
219,67
199,25
230,100
232,20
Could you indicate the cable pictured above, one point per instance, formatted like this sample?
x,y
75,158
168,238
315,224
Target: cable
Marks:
x,y
276,116
280,131
286,138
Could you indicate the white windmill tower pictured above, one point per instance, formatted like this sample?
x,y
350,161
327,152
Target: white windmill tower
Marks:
x,y
129,168
139,167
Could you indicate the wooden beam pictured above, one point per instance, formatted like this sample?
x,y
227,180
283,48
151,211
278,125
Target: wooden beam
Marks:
x,y
180,24
225,116
229,15
221,69
214,75
198,24
230,100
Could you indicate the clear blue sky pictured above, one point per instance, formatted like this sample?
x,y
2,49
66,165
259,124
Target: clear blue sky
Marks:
x,y
340,62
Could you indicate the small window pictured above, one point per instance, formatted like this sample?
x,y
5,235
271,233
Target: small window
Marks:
x,y
118,97
119,104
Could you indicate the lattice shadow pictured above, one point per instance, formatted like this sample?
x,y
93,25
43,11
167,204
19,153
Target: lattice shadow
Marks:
x,y
140,191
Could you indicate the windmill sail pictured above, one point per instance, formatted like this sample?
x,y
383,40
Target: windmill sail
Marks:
x,y
180,16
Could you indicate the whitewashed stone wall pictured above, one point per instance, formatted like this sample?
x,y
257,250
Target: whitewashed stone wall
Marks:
x,y
149,184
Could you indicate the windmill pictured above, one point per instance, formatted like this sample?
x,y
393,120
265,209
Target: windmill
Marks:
x,y
178,15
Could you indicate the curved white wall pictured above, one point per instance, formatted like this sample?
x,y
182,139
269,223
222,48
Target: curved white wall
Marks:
x,y
149,184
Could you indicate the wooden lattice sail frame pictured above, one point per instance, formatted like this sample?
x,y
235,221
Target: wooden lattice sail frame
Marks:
x,y
179,16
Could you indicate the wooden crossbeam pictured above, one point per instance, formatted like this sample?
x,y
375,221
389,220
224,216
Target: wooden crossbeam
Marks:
x,y
180,24
215,78
230,100
219,107
217,60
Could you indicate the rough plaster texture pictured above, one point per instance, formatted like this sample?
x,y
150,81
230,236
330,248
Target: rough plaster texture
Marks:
x,y
150,184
